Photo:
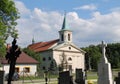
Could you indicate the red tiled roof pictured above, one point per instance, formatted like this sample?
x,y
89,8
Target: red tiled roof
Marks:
x,y
42,46
23,59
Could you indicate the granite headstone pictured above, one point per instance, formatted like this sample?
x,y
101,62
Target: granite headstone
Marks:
x,y
64,78
80,77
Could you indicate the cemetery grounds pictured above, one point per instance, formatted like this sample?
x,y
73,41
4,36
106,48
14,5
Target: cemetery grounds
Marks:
x,y
91,76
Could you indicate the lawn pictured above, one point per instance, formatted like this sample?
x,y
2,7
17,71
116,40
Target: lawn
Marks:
x,y
91,75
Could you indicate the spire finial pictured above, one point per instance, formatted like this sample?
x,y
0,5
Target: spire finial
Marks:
x,y
33,41
64,13
65,25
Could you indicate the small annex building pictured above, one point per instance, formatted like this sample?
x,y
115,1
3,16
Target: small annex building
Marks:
x,y
63,51
24,64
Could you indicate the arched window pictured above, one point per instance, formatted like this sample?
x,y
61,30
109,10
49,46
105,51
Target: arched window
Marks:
x,y
44,68
69,48
69,59
68,37
62,37
44,59
49,58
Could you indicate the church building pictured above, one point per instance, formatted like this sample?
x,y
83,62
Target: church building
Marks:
x,y
62,51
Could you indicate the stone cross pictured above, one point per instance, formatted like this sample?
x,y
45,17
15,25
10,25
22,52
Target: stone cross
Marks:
x,y
104,68
103,48
12,54
104,51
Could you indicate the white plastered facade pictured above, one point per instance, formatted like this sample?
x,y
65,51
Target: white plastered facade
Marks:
x,y
76,55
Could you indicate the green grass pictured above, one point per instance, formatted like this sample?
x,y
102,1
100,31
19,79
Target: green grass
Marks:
x,y
37,77
91,75
30,77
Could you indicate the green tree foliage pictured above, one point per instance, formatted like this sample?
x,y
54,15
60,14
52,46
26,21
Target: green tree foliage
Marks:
x,y
53,67
36,56
8,16
94,53
113,54
2,49
31,53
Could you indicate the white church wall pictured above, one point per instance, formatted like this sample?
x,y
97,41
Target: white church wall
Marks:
x,y
69,48
76,62
56,56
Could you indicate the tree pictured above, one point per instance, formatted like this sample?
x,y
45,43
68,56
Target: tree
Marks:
x,y
113,53
36,56
32,54
94,53
8,16
2,49
64,64
53,66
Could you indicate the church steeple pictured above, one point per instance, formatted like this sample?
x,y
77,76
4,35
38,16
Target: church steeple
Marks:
x,y
65,25
65,34
33,41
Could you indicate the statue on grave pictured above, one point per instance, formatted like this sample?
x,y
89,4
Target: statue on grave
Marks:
x,y
104,68
12,53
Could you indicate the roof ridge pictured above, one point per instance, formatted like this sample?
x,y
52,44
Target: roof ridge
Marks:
x,y
47,43
43,45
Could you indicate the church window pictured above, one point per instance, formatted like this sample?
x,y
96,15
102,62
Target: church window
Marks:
x,y
62,37
44,59
68,37
43,67
69,48
49,58
69,59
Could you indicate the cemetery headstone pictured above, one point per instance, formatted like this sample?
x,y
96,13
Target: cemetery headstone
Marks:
x,y
65,78
1,77
104,68
80,77
117,79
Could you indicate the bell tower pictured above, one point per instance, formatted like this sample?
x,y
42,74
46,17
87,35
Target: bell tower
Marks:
x,y
65,34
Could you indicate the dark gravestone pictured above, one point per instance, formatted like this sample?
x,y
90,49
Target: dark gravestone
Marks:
x,y
65,78
117,79
80,77
1,77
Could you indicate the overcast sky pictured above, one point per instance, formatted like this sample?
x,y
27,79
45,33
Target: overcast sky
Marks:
x,y
90,20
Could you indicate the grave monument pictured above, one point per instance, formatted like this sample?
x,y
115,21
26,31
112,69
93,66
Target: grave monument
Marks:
x,y
12,54
65,78
80,76
104,68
